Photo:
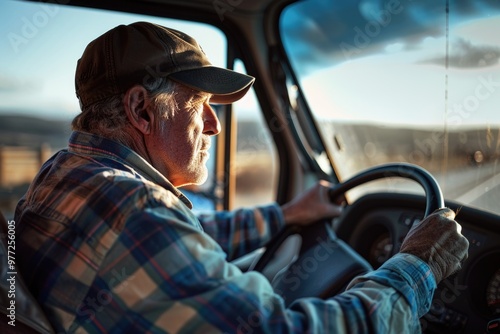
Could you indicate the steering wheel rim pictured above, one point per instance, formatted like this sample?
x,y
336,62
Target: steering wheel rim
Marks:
x,y
434,199
434,196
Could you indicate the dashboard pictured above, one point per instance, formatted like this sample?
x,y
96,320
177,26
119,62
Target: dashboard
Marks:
x,y
463,303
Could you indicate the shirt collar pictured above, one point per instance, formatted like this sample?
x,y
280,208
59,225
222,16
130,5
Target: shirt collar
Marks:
x,y
94,145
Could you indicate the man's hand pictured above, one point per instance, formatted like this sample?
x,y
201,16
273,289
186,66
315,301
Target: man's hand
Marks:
x,y
312,205
438,241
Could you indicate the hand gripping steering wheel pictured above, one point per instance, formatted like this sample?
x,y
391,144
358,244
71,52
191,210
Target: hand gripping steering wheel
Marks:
x,y
326,264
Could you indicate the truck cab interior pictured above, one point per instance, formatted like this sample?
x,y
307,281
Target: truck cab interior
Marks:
x,y
395,102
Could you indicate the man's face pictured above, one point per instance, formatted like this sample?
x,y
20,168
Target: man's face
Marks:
x,y
179,146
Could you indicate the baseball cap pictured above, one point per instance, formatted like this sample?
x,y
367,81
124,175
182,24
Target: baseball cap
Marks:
x,y
133,54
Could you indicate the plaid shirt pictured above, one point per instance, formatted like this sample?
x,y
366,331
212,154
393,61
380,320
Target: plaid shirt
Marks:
x,y
107,245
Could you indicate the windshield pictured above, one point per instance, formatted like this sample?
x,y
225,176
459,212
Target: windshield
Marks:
x,y
404,81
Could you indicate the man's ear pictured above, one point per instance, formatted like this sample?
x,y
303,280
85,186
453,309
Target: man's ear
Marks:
x,y
138,110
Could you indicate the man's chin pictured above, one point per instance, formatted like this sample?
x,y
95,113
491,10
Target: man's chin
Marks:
x,y
197,180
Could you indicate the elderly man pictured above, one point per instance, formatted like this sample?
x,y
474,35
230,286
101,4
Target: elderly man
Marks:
x,y
107,242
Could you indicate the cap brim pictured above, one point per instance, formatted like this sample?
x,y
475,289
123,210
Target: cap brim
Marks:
x,y
226,86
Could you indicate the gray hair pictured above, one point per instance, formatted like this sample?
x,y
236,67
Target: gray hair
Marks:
x,y
107,118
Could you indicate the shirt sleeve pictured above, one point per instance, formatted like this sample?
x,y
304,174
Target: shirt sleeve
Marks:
x,y
165,275
241,231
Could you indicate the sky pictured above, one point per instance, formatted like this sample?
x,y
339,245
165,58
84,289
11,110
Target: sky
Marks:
x,y
386,79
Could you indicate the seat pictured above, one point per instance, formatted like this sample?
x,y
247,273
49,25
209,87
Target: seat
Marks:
x,y
27,316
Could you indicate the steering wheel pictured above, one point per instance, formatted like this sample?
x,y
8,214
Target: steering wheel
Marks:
x,y
325,264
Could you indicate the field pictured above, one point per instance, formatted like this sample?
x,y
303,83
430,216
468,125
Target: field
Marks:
x,y
25,142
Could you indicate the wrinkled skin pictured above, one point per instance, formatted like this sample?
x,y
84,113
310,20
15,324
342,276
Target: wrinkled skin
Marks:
x,y
312,205
438,241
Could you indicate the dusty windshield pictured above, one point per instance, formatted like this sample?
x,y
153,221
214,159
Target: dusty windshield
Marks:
x,y
408,81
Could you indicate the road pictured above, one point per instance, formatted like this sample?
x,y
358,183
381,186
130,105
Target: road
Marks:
x,y
477,186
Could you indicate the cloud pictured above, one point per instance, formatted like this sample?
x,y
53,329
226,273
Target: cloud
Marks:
x,y
464,54
344,30
10,84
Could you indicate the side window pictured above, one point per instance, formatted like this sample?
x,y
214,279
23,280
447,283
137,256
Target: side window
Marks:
x,y
256,160
40,45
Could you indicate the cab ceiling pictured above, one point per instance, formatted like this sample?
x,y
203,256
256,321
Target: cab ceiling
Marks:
x,y
200,10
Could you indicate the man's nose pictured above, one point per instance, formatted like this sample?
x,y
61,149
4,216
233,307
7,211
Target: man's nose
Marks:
x,y
211,124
